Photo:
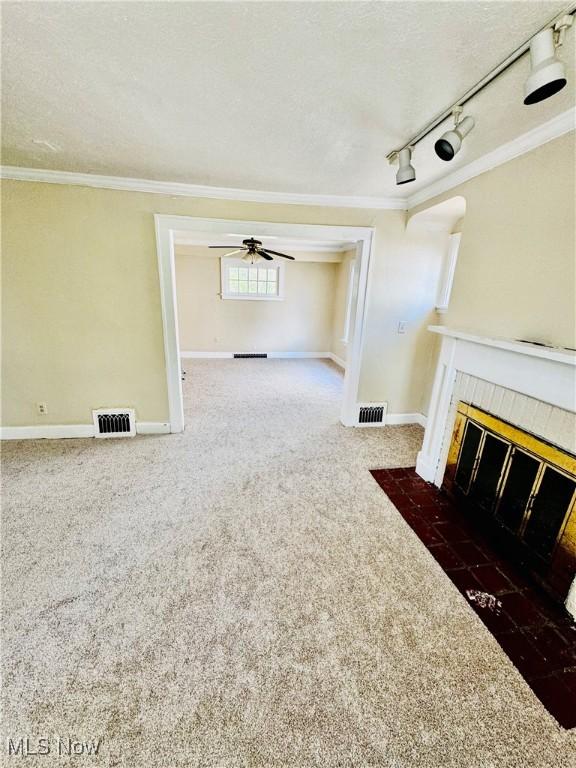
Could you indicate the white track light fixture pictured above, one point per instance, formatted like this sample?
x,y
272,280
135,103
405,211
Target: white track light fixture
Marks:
x,y
406,171
547,77
547,73
451,141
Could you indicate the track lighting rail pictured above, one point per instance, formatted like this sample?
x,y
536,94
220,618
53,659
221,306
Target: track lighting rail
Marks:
x,y
480,85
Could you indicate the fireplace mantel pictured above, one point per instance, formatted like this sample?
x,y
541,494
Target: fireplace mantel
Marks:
x,y
546,374
558,354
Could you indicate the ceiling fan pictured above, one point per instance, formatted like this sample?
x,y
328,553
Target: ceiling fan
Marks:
x,y
253,251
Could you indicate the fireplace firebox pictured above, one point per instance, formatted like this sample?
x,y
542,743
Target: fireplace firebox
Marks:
x,y
520,487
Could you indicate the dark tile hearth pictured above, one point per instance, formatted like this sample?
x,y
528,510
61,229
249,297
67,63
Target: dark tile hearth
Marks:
x,y
536,633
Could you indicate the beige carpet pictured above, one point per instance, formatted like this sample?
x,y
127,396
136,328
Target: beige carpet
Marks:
x,y
244,594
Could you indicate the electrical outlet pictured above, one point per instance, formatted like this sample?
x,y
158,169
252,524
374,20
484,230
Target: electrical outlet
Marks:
x,y
402,326
42,408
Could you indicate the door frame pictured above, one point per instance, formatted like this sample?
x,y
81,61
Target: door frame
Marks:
x,y
166,225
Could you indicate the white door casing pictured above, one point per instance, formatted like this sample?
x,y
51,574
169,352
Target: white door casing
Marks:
x,y
166,225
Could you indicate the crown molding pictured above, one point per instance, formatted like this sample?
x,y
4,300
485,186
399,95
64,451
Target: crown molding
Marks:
x,y
552,129
542,134
196,190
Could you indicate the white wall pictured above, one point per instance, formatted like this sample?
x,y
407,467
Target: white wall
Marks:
x,y
302,322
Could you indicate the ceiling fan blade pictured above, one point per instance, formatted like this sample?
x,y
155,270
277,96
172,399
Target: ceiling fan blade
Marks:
x,y
264,255
240,250
241,247
276,253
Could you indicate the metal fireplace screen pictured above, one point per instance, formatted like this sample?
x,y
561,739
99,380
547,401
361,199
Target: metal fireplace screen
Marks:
x,y
521,485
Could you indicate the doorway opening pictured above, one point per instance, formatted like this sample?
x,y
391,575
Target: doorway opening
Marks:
x,y
176,234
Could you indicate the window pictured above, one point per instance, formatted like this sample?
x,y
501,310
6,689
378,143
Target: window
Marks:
x,y
349,297
448,272
263,280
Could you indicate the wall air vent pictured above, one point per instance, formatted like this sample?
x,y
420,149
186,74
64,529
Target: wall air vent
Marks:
x,y
114,422
372,414
248,354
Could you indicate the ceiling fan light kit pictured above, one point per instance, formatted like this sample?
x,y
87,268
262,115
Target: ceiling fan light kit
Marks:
x,y
547,77
253,251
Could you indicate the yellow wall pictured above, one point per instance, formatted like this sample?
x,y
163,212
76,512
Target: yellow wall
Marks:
x,y
81,317
516,270
81,308
302,322
407,286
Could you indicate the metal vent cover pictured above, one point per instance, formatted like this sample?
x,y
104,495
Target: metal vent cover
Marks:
x,y
114,422
372,414
250,354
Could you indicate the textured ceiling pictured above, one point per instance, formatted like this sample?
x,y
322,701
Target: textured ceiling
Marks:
x,y
281,96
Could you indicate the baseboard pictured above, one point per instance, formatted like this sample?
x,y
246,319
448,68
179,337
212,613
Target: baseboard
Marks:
x,y
62,431
49,431
202,355
338,360
406,418
297,355
152,428
279,355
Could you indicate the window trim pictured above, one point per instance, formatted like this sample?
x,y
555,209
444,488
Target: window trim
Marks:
x,y
226,263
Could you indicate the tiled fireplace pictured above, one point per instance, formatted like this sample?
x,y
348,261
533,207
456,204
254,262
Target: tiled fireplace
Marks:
x,y
493,499
501,436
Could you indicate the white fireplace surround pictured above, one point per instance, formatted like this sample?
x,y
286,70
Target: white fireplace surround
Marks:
x,y
545,375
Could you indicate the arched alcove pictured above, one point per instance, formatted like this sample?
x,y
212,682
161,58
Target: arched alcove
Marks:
x,y
433,237
438,229
446,217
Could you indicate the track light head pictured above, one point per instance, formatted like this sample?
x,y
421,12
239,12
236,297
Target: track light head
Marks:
x,y
547,73
406,171
450,142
